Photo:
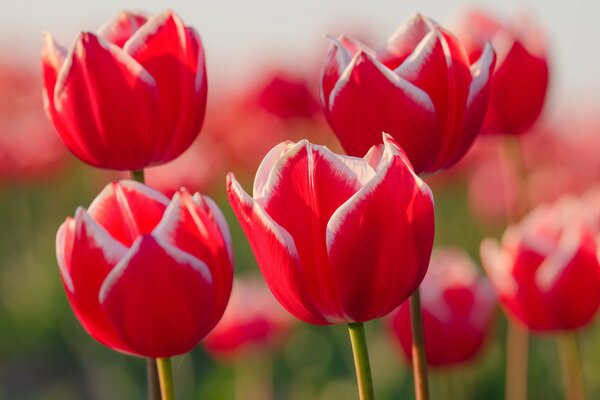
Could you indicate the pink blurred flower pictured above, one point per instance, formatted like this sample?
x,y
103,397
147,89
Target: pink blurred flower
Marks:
x,y
546,269
29,148
458,310
252,319
519,83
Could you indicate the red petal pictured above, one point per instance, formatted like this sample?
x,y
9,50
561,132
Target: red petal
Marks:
x,y
337,59
313,182
379,252
404,41
518,91
440,67
119,29
128,209
174,56
160,299
197,227
86,254
276,255
477,102
108,105
369,99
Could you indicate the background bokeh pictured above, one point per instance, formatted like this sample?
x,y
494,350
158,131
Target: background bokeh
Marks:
x,y
252,47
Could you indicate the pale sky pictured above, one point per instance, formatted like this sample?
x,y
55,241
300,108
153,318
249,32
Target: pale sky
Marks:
x,y
241,36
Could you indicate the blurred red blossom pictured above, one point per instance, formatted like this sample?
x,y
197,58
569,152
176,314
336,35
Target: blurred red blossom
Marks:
x,y
546,269
519,83
29,148
253,319
458,309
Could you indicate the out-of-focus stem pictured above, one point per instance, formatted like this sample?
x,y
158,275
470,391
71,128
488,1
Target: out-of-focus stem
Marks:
x,y
572,370
517,345
165,375
361,360
419,359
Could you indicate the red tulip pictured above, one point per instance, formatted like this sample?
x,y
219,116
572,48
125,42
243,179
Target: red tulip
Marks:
x,y
458,309
253,318
287,96
519,84
419,87
338,239
131,95
144,275
546,270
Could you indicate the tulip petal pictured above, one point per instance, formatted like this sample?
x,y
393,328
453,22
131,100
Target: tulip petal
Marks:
x,y
86,254
440,66
190,225
53,58
276,255
119,29
404,40
128,209
156,298
174,56
313,182
108,121
370,99
364,265
337,59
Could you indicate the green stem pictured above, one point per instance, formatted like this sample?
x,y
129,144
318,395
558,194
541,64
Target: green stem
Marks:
x,y
165,375
361,360
517,344
572,370
419,359
152,379
138,175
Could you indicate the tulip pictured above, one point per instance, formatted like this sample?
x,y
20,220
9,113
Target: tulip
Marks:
x,y
253,318
458,309
331,243
546,270
131,95
143,275
519,84
338,239
420,87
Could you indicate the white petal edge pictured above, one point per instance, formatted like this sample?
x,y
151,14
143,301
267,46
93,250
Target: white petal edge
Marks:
x,y
219,219
180,256
138,39
480,71
282,236
105,28
498,265
551,269
76,50
266,166
415,93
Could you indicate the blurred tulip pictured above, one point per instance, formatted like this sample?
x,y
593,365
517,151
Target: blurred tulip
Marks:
x,y
338,239
131,95
420,87
519,83
546,270
28,146
287,96
197,169
144,275
253,319
458,309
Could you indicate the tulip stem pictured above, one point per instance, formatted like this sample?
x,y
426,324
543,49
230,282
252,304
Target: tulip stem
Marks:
x,y
152,379
138,175
361,360
517,344
419,359
572,370
165,375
